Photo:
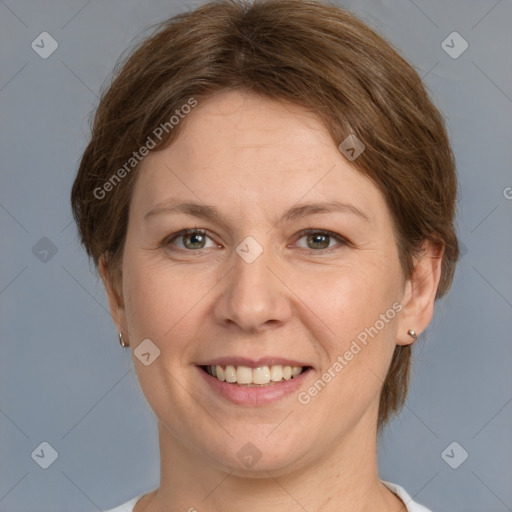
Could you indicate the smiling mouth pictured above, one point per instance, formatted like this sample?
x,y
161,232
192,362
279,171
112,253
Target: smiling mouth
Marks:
x,y
254,377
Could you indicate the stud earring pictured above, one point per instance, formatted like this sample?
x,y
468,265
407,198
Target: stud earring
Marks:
x,y
121,341
412,333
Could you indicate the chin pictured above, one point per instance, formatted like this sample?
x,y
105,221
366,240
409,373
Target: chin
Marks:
x,y
257,458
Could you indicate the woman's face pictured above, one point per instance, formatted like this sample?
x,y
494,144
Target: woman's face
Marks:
x,y
251,287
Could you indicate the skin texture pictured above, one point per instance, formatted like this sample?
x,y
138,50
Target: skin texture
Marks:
x,y
252,159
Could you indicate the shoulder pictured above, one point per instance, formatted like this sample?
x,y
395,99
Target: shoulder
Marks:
x,y
411,505
128,506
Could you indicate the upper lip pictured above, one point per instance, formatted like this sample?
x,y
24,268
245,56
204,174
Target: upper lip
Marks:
x,y
252,363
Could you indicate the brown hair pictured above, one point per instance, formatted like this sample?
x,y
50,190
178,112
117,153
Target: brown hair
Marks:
x,y
313,54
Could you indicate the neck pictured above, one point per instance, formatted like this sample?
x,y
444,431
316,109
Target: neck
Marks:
x,y
342,479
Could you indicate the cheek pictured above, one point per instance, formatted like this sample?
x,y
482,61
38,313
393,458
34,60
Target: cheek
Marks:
x,y
356,310
162,299
351,297
357,342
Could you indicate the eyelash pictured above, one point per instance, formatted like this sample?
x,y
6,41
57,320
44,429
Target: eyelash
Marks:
x,y
341,240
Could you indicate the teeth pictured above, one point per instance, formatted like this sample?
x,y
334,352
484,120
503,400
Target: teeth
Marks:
x,y
276,373
260,375
230,374
245,376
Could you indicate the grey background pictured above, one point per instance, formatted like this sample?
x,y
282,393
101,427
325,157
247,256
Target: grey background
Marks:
x,y
65,380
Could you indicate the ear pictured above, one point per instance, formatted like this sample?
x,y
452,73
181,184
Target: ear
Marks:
x,y
420,292
115,297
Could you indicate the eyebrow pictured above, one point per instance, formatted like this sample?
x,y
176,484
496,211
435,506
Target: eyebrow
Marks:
x,y
295,212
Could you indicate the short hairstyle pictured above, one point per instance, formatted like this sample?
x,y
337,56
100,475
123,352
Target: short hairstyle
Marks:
x,y
310,53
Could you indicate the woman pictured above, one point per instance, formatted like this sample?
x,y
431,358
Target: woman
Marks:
x,y
269,196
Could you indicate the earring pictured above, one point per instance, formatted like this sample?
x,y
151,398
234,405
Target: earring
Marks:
x,y
412,333
121,341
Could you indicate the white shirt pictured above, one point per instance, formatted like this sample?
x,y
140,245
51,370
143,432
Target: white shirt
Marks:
x,y
411,506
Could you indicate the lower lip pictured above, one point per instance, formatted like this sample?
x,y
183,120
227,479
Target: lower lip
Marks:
x,y
257,395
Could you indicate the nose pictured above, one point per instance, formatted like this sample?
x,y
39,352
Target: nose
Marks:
x,y
253,296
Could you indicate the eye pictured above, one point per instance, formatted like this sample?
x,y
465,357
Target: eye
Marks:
x,y
319,240
195,240
192,239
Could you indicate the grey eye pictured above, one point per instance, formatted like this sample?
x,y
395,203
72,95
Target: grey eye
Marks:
x,y
197,240
318,241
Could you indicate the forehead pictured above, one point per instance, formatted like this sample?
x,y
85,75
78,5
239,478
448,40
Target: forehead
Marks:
x,y
238,149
